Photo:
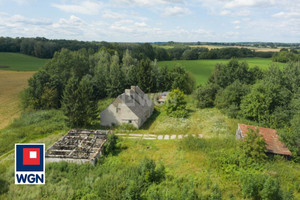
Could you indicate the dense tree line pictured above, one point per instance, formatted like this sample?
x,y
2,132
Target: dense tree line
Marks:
x,y
286,55
76,80
232,44
45,48
270,98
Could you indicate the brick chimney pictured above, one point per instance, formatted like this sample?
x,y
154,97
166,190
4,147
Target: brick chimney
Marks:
x,y
127,92
133,88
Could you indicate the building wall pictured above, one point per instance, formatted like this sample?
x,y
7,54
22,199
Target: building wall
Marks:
x,y
70,160
108,117
118,112
118,115
238,134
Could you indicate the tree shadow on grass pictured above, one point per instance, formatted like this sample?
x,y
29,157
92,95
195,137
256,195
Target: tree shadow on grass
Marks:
x,y
150,120
190,112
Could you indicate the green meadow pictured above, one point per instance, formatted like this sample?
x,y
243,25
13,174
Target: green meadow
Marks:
x,y
20,62
202,69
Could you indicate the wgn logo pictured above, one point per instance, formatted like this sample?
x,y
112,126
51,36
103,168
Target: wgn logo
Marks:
x,y
29,163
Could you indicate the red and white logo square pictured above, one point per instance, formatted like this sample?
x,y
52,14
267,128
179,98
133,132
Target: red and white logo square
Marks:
x,y
31,156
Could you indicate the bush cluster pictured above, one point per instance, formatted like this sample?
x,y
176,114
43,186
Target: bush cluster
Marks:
x,y
270,98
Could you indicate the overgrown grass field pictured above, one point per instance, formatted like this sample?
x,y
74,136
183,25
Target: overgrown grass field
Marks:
x,y
206,167
202,69
20,62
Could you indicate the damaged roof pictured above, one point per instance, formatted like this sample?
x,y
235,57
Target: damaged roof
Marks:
x,y
273,143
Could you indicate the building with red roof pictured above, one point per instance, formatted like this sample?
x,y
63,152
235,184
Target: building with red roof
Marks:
x,y
273,143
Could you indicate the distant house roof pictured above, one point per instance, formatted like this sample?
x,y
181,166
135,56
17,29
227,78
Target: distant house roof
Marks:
x,y
164,93
271,138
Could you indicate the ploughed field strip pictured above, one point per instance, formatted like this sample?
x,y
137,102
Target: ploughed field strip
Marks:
x,y
78,146
154,137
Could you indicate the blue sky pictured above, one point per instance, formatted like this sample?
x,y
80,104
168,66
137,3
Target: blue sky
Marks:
x,y
153,20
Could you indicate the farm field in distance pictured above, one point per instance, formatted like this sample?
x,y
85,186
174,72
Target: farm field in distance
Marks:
x,y
20,62
202,69
13,80
258,49
11,84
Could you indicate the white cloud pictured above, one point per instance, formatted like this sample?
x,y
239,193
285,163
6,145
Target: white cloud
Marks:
x,y
225,12
176,11
85,7
287,14
20,2
112,15
140,24
248,3
144,3
235,13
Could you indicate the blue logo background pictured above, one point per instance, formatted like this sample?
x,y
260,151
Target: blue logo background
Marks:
x,y
19,158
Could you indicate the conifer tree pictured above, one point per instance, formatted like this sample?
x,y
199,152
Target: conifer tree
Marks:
x,y
145,76
116,83
78,104
101,60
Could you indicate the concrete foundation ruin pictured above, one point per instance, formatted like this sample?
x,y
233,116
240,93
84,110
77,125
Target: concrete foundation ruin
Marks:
x,y
78,146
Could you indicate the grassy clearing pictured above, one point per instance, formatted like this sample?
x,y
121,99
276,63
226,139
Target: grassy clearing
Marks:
x,y
11,83
163,46
202,69
208,122
20,62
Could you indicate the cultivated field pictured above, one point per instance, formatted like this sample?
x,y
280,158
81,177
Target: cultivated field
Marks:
x,y
202,69
20,62
11,83
258,49
15,70
261,49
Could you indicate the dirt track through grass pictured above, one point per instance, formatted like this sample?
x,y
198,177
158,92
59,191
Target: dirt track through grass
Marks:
x,y
11,83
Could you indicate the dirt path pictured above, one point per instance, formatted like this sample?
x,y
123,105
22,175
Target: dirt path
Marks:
x,y
154,137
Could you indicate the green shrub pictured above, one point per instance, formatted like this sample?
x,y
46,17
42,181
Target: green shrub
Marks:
x,y
110,145
149,173
175,105
254,146
259,186
216,193
252,184
230,98
271,190
4,186
205,95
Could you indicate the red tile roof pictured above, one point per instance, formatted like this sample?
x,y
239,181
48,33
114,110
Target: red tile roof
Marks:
x,y
272,139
